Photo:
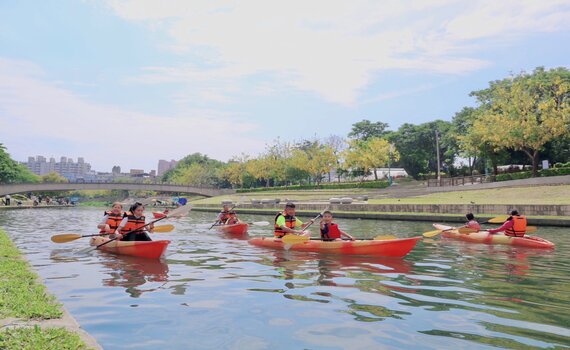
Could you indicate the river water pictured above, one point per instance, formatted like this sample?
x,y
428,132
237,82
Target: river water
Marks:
x,y
216,293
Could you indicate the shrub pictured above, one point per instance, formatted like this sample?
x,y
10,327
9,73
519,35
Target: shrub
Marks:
x,y
332,186
555,171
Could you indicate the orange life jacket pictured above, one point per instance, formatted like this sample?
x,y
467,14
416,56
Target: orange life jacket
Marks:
x,y
226,215
519,226
113,220
330,232
134,224
290,222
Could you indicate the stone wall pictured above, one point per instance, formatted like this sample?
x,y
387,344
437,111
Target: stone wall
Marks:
x,y
461,209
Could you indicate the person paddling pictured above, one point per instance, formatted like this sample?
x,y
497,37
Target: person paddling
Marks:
x,y
515,226
472,223
287,223
227,216
111,219
134,220
330,231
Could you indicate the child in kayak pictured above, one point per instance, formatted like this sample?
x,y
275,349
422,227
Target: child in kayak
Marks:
x,y
111,219
330,230
472,223
131,228
227,216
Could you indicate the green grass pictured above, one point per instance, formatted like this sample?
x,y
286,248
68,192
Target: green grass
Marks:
x,y
559,194
35,338
21,295
300,195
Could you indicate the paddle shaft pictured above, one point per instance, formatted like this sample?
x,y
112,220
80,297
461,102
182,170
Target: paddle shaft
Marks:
x,y
131,231
217,221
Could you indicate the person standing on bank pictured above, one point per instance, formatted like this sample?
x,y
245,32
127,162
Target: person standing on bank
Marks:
x,y
286,223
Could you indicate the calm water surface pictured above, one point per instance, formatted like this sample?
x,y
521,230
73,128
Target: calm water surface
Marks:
x,y
216,293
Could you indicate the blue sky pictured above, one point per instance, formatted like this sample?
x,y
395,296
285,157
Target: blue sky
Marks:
x,y
131,82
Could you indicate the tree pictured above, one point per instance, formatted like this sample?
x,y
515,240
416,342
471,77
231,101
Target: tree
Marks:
x,y
525,112
417,147
235,171
365,129
12,171
314,158
53,177
370,154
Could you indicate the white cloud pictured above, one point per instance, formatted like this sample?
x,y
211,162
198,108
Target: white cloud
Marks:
x,y
105,135
334,48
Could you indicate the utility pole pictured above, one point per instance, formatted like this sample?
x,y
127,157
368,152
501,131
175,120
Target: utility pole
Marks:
x,y
438,161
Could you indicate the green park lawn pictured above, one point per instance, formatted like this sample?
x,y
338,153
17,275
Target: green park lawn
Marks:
x,y
559,194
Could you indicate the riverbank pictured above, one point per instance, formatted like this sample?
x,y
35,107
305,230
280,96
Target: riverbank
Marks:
x,y
30,318
556,221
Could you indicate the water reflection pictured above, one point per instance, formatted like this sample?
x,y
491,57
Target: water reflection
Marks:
x,y
213,292
133,273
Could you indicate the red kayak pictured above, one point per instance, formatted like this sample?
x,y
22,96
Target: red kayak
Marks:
x,y
143,249
388,248
235,230
158,215
499,238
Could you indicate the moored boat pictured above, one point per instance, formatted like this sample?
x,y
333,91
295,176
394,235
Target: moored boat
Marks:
x,y
143,249
387,248
235,230
488,238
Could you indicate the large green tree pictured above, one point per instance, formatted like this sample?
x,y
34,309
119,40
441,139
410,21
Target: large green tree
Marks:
x,y
365,129
12,171
416,145
525,112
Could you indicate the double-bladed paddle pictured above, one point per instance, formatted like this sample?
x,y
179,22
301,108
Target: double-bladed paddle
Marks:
x,y
69,237
178,211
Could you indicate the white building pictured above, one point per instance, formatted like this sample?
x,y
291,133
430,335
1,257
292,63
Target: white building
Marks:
x,y
66,167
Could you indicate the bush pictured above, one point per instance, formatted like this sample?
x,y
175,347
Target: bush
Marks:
x,y
562,165
528,174
555,172
335,186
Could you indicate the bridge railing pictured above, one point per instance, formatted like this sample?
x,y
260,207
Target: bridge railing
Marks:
x,y
135,182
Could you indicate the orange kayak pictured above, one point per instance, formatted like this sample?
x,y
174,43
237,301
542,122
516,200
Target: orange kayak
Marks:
x,y
143,249
236,230
388,248
499,238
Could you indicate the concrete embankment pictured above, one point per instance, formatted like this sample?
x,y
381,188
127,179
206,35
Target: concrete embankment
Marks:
x,y
341,211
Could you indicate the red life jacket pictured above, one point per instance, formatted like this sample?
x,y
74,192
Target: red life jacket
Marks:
x,y
113,220
330,232
290,222
519,226
134,224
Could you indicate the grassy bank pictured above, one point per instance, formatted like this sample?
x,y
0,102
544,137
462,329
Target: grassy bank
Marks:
x,y
23,297
559,194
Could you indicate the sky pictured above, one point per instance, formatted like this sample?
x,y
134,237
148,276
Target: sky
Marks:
x,y
129,82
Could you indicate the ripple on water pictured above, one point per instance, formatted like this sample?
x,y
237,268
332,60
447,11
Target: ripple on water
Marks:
x,y
211,292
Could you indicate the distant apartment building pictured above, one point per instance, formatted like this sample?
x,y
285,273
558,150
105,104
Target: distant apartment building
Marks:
x,y
66,167
164,166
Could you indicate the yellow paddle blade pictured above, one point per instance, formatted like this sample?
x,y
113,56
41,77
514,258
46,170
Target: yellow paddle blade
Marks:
x,y
385,237
498,219
431,233
65,237
163,228
294,239
466,230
